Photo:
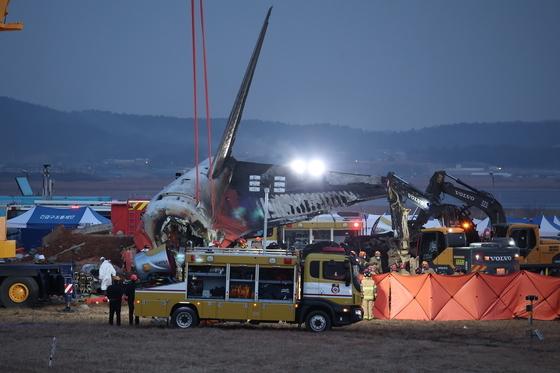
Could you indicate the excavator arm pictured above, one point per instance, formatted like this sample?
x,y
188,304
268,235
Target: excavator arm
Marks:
x,y
17,26
399,191
469,195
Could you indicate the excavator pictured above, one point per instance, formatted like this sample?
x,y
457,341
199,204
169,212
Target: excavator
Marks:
x,y
536,253
4,26
452,246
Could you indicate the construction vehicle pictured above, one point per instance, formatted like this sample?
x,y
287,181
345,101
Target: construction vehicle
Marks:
x,y
4,26
23,284
316,286
469,195
536,254
448,247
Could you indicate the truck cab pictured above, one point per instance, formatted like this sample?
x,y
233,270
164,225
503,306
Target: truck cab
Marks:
x,y
318,289
330,285
535,253
436,246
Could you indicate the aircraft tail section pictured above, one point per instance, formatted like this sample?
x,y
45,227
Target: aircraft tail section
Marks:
x,y
228,139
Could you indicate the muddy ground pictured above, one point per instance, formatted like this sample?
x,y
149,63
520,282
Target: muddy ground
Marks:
x,y
86,343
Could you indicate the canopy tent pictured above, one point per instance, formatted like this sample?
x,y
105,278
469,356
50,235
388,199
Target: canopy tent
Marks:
x,y
383,223
432,223
40,221
41,217
482,225
548,228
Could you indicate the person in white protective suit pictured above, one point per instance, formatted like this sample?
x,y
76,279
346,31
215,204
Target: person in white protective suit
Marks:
x,y
106,273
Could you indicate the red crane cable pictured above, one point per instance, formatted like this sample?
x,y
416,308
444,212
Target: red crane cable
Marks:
x,y
208,119
196,161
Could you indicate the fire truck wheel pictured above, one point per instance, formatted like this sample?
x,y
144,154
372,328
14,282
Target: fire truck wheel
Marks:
x,y
19,292
317,321
184,317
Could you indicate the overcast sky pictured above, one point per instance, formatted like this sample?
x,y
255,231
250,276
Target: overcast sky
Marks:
x,y
371,64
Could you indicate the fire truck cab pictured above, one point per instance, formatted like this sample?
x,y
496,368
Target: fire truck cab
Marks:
x,y
317,288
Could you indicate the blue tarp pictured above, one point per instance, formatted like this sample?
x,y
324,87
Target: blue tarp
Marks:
x,y
517,220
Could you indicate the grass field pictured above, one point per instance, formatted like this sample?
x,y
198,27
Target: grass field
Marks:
x,y
86,343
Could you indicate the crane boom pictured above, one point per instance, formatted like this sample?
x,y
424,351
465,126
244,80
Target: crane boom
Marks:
x,y
4,26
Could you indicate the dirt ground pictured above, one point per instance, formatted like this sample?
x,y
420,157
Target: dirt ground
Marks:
x,y
86,343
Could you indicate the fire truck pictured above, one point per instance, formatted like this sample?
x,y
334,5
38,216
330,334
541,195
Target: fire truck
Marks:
x,y
317,287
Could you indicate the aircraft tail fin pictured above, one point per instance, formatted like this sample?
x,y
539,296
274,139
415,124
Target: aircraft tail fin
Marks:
x,y
228,139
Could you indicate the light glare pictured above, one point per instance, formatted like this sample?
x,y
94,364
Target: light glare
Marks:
x,y
316,167
298,166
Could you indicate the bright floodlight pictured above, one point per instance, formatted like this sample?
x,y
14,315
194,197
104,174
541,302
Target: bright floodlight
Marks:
x,y
298,166
316,167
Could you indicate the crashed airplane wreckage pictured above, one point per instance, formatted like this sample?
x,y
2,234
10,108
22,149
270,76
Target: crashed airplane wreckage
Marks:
x,y
231,197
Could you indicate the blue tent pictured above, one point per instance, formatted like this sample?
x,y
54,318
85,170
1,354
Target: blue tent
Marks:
x,y
41,217
40,221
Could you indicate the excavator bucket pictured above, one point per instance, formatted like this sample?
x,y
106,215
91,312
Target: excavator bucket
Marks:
x,y
17,26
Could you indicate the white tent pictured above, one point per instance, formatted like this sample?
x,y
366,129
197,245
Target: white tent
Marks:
x,y
547,229
432,223
383,224
20,221
481,225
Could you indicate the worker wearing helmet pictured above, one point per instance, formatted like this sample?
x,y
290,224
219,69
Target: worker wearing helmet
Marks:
x,y
129,292
368,293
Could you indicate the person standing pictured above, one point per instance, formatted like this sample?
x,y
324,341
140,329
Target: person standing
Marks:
x,y
368,292
115,293
129,292
376,259
106,273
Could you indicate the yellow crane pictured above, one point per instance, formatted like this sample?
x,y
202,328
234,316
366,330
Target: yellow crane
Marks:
x,y
17,26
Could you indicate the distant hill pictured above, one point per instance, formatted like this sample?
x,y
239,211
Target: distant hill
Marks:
x,y
34,134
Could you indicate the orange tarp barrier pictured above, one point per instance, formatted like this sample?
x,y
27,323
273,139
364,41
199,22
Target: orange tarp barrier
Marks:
x,y
469,297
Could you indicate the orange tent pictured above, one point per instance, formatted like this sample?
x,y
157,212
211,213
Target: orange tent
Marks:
x,y
470,297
